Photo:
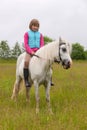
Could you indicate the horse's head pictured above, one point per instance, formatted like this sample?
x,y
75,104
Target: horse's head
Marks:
x,y
64,53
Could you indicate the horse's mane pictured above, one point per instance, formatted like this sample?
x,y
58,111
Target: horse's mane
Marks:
x,y
48,50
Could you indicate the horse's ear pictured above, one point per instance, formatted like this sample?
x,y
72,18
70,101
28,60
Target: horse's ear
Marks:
x,y
60,39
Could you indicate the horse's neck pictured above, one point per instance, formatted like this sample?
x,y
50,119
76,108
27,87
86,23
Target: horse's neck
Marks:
x,y
49,51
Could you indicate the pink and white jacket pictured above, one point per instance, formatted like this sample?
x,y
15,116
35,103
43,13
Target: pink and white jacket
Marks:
x,y
26,43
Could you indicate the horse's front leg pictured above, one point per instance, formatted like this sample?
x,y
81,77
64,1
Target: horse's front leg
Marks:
x,y
28,93
47,89
36,85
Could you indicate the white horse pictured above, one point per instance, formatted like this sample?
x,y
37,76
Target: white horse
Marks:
x,y
40,68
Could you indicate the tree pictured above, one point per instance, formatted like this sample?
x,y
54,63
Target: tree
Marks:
x,y
47,39
85,54
16,51
4,49
77,51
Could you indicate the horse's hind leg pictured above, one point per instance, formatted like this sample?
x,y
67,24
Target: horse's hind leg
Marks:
x,y
47,89
27,93
16,87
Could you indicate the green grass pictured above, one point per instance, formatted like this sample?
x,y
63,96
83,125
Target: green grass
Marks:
x,y
68,99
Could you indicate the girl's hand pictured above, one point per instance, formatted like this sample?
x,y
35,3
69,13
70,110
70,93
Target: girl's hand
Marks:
x,y
32,52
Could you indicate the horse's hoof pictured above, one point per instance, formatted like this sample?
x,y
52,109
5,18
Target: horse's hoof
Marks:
x,y
37,111
50,111
14,98
27,100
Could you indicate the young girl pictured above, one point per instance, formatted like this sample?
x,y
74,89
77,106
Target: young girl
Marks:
x,y
33,40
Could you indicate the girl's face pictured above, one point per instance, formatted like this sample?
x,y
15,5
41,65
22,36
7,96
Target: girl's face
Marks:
x,y
35,28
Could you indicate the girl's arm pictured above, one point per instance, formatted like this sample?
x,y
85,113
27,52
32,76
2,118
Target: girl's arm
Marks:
x,y
41,40
26,45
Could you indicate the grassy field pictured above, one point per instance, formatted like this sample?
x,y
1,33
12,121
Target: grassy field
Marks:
x,y
68,99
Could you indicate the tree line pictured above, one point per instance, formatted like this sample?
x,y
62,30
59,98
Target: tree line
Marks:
x,y
78,52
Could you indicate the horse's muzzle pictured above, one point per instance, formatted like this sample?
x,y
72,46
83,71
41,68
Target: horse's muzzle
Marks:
x,y
66,64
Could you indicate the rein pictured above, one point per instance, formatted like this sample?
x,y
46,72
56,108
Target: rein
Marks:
x,y
39,57
55,60
42,58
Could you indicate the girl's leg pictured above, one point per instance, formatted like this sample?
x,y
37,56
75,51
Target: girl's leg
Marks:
x,y
26,71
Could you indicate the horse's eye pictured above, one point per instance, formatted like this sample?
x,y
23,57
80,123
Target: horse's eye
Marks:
x,y
64,49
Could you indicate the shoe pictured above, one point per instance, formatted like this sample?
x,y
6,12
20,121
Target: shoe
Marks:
x,y
52,84
27,84
26,75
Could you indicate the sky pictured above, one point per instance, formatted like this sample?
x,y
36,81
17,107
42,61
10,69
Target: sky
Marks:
x,y
65,18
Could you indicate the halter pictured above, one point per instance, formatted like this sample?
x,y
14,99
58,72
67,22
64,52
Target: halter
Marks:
x,y
60,59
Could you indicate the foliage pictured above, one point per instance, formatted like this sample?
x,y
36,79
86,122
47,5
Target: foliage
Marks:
x,y
6,52
85,52
78,52
16,51
47,39
4,49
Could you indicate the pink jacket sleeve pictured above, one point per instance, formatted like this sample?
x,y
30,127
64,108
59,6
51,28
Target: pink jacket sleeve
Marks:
x,y
41,40
26,46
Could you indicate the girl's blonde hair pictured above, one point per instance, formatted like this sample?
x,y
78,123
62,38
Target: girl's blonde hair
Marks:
x,y
34,22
